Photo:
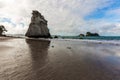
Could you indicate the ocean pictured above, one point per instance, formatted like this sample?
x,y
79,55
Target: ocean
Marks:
x,y
76,37
93,38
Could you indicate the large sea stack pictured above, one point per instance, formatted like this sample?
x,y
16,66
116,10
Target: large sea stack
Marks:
x,y
38,26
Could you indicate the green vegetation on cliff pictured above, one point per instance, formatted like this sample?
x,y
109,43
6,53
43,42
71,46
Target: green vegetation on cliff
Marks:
x,y
2,30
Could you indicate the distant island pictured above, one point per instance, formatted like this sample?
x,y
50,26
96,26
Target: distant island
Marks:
x,y
89,34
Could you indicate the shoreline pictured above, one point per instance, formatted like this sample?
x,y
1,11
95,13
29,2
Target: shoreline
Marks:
x,y
114,42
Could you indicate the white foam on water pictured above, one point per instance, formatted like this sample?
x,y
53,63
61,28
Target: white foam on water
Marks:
x,y
111,42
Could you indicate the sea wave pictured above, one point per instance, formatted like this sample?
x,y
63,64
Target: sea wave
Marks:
x,y
110,42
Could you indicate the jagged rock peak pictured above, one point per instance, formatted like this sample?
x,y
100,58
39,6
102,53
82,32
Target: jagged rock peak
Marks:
x,y
36,14
38,26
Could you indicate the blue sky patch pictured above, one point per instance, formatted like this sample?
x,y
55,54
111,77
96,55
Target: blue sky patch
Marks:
x,y
101,13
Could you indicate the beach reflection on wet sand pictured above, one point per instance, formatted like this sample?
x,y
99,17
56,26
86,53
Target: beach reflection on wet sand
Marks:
x,y
32,59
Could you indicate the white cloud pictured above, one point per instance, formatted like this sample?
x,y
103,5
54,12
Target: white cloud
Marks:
x,y
64,16
114,14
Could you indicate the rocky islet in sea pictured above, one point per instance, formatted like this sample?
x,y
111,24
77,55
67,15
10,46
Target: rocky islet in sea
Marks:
x,y
38,26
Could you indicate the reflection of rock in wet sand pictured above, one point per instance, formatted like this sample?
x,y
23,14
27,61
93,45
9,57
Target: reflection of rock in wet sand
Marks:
x,y
38,51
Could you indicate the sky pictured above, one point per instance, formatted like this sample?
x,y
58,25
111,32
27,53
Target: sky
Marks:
x,y
65,17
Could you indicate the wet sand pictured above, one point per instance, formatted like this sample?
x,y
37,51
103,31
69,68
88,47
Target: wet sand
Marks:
x,y
28,59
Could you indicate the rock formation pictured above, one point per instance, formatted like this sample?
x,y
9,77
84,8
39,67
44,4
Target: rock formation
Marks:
x,y
81,35
2,30
92,34
38,26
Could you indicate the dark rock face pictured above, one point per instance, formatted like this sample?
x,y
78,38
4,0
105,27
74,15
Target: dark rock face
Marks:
x,y
81,35
38,26
92,34
2,30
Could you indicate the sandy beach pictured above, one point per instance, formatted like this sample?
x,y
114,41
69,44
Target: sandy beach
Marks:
x,y
30,59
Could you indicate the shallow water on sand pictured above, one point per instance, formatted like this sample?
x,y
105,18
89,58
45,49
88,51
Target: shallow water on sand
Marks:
x,y
29,59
